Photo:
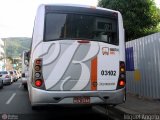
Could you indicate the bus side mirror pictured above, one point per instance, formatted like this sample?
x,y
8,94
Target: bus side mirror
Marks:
x,y
23,74
26,58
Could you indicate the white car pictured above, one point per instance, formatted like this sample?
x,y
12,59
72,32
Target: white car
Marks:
x,y
13,76
5,76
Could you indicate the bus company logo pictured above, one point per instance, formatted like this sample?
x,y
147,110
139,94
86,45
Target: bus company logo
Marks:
x,y
4,116
105,50
66,60
113,50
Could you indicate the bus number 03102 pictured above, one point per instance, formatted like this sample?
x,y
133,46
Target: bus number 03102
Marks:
x,y
108,72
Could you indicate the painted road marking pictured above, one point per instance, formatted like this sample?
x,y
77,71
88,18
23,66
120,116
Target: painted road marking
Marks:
x,y
10,99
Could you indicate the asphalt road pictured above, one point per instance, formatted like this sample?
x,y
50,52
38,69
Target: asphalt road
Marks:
x,y
15,105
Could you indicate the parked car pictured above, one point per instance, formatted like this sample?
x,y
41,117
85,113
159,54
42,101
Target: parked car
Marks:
x,y
13,76
1,83
19,74
16,74
5,76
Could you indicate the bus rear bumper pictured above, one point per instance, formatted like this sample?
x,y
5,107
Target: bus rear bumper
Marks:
x,y
40,97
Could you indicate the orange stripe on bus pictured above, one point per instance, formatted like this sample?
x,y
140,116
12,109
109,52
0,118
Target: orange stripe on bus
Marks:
x,y
94,74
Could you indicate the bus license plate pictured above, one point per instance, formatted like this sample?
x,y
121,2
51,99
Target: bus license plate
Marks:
x,y
81,100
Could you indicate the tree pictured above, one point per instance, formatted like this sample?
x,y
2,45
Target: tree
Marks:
x,y
141,17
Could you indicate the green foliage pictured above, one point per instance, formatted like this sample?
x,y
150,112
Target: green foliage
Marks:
x,y
15,46
141,17
10,58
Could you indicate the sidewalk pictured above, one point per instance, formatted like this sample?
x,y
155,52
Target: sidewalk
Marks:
x,y
139,105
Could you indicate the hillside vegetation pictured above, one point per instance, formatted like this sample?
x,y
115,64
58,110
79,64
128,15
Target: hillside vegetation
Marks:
x,y
15,46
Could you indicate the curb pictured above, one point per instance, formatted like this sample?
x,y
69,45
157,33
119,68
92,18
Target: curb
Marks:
x,y
127,111
111,114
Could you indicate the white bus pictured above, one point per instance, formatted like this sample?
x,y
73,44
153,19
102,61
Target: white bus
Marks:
x,y
25,68
77,56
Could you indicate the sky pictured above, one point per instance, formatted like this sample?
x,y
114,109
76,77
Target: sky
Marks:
x,y
17,16
157,3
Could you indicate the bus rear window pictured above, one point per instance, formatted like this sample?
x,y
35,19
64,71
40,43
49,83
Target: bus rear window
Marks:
x,y
79,26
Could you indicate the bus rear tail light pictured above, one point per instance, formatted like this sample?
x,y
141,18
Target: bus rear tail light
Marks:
x,y
122,83
37,73
122,70
122,67
122,75
38,83
38,61
37,67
